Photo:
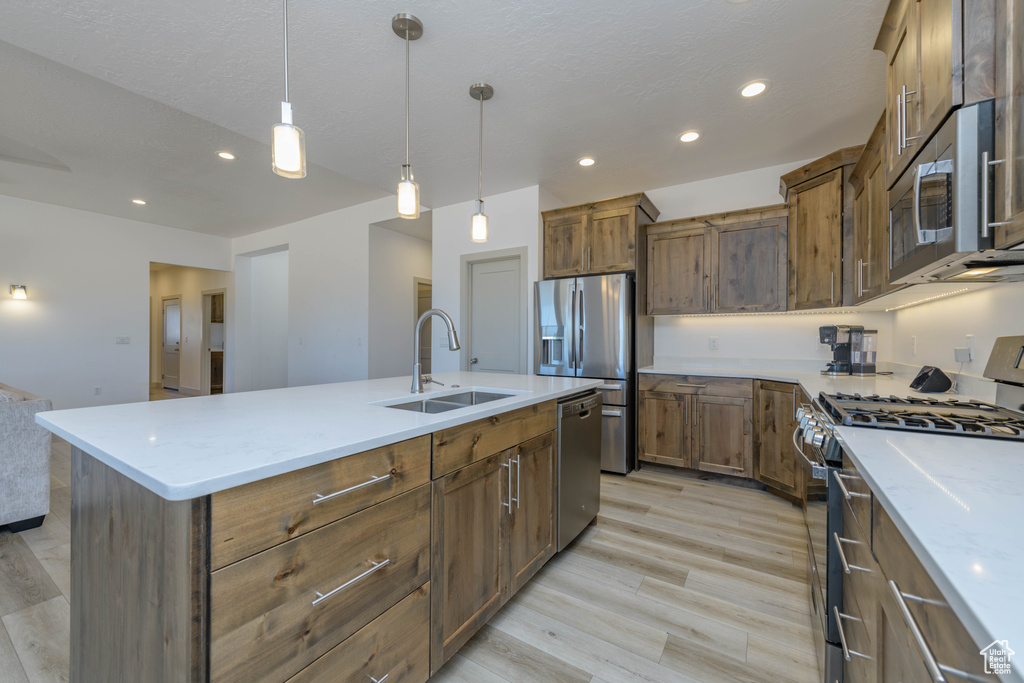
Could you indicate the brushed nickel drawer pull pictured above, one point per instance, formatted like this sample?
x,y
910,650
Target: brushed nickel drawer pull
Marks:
x,y
842,556
509,503
934,668
695,386
846,492
518,465
380,680
847,652
373,480
377,566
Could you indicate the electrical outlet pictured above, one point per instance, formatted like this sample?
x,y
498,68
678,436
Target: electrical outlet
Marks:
x,y
913,345
962,354
96,391
713,343
122,340
442,341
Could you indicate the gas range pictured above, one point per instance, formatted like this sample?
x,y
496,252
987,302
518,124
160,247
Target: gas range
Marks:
x,y
930,415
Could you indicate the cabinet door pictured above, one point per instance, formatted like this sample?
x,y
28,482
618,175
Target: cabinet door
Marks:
x,y
533,534
749,266
898,656
664,429
815,242
563,246
901,102
724,441
469,568
611,241
941,61
871,235
776,462
1009,175
677,279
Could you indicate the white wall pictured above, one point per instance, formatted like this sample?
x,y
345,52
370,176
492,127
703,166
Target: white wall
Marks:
x,y
940,325
268,330
328,293
88,281
189,283
513,221
395,260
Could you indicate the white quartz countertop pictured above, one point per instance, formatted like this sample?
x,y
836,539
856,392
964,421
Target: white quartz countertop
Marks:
x,y
958,501
190,447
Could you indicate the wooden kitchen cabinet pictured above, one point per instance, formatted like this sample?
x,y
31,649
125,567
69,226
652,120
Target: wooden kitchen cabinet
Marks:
x,y
901,89
533,531
723,263
597,237
776,463
1008,172
820,223
703,423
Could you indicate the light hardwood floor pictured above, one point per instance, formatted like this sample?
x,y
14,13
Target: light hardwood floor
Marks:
x,y
679,580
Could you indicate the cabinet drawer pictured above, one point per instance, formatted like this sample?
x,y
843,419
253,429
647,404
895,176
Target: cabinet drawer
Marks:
x,y
276,612
859,501
463,445
395,646
695,384
945,636
250,518
860,597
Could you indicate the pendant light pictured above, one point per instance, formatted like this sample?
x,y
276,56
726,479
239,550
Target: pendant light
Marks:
x,y
407,27
288,148
478,231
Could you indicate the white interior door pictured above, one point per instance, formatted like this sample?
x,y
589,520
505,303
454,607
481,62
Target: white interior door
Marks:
x,y
495,299
172,343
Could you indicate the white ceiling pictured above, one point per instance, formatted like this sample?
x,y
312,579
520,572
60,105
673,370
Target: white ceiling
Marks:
x,y
136,96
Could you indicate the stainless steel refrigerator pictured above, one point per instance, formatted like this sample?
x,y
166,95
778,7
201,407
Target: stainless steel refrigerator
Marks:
x,y
584,328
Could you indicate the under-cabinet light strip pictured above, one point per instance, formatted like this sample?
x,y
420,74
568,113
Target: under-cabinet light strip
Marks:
x,y
926,300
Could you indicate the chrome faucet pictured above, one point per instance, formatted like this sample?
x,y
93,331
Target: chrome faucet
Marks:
x,y
418,379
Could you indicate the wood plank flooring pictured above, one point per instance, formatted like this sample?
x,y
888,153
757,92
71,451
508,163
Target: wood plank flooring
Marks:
x,y
679,580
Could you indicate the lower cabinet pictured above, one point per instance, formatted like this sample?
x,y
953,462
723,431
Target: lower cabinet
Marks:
x,y
703,423
777,462
493,528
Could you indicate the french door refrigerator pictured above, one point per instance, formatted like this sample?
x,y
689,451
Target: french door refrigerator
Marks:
x,y
584,328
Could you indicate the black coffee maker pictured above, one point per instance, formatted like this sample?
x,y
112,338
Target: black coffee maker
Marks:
x,y
838,337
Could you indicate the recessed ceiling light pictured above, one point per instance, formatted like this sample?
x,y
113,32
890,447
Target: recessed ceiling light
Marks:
x,y
226,155
754,88
586,161
689,136
140,202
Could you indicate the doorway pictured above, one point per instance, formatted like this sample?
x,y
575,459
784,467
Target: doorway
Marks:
x,y
494,308
213,342
170,340
424,294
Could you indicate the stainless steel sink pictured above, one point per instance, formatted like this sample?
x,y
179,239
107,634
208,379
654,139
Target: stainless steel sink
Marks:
x,y
472,398
428,406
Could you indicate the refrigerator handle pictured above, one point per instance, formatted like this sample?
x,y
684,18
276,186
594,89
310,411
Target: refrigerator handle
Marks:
x,y
572,330
581,324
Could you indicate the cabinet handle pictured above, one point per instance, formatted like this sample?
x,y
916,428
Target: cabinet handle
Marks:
x,y
847,652
845,491
832,292
899,123
373,480
377,566
986,165
696,386
707,294
715,300
860,277
509,503
839,540
518,467
380,680
934,668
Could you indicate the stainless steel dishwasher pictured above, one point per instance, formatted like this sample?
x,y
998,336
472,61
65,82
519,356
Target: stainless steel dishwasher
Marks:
x,y
579,464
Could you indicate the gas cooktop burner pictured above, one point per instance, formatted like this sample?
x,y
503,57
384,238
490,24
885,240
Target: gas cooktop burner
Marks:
x,y
937,416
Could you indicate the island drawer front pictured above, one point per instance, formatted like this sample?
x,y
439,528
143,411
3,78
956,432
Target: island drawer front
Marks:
x,y
250,518
463,445
860,496
860,588
737,387
945,635
263,623
395,645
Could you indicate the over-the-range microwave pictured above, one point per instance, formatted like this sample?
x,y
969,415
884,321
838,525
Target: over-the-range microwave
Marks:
x,y
941,207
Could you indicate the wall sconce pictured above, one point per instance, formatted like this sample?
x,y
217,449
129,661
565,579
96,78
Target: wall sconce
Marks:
x,y
19,291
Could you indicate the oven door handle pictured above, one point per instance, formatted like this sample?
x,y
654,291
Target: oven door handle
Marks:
x,y
817,471
922,171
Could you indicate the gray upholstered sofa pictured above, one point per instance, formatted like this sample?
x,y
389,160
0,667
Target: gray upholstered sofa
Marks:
x,y
24,460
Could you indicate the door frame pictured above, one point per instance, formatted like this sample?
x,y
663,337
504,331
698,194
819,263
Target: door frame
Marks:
x,y
204,336
163,336
466,296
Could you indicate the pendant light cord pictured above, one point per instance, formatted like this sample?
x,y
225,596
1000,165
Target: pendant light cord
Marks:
x,y
285,50
480,177
407,98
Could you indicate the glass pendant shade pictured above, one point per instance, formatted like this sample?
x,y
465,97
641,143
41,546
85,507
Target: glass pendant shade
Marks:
x,y
478,231
408,195
288,149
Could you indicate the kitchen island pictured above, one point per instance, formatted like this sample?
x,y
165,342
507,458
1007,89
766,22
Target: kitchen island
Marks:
x,y
308,533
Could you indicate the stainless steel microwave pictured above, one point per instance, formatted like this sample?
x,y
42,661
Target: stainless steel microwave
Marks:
x,y
939,209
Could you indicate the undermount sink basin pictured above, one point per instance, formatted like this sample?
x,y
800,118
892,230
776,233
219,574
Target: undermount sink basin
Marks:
x,y
472,398
441,404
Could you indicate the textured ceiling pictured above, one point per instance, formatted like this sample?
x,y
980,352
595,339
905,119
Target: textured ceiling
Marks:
x,y
166,83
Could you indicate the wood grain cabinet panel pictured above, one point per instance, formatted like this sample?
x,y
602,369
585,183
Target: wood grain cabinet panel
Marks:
x,y
678,280
776,463
749,262
725,435
664,430
815,242
533,538
464,444
611,240
1008,174
278,611
250,518
564,240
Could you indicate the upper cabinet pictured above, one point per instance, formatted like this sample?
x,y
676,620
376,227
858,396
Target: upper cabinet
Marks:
x,y
820,220
594,238
723,263
1008,165
939,56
